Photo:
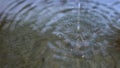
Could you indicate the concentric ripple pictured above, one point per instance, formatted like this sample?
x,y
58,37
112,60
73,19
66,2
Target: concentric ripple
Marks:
x,y
68,34
81,28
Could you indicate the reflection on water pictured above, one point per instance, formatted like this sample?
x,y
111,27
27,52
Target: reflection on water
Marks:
x,y
59,34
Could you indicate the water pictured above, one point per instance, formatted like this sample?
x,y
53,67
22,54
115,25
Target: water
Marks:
x,y
59,34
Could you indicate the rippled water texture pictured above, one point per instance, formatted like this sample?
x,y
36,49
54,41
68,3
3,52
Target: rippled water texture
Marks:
x,y
59,34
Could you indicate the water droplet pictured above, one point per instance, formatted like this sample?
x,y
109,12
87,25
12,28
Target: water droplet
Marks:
x,y
83,56
78,27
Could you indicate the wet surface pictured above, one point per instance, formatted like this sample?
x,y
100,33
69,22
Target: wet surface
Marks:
x,y
59,34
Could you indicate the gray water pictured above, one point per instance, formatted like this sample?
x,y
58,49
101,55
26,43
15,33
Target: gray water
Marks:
x,y
59,34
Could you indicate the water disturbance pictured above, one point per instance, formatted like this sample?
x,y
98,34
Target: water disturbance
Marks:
x,y
59,34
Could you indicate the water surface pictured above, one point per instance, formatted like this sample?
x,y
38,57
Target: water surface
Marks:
x,y
59,34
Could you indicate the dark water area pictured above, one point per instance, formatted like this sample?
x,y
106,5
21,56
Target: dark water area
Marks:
x,y
59,34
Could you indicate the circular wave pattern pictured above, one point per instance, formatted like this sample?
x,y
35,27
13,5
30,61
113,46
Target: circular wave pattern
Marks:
x,y
77,32
82,28
83,32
